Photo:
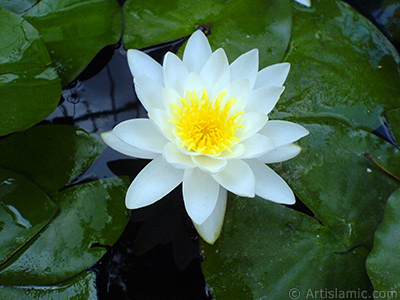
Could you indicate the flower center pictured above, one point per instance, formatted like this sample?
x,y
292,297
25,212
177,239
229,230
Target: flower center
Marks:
x,y
206,126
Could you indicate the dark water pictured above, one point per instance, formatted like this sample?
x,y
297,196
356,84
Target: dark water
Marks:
x,y
157,257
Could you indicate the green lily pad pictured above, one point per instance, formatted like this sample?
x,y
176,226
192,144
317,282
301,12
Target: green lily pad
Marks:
x,y
17,6
29,85
343,78
355,87
76,30
50,155
24,210
255,260
83,287
236,25
383,263
90,214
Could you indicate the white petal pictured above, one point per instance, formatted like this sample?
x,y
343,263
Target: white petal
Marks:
x,y
306,3
270,185
257,145
274,75
215,72
237,177
142,65
149,92
264,99
209,164
118,145
178,142
283,132
280,154
197,51
176,158
240,90
237,151
142,134
253,122
175,73
200,194
194,83
170,96
160,119
155,181
211,228
245,66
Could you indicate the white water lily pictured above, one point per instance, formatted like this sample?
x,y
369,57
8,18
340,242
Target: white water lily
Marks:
x,y
306,3
208,128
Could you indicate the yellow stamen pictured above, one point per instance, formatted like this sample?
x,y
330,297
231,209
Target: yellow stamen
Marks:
x,y
205,126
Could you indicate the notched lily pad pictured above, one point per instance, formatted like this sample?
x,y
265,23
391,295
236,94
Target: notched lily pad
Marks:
x,y
236,25
24,210
342,69
29,85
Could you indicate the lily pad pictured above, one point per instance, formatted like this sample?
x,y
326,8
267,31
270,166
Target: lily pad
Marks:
x,y
267,251
83,287
270,251
383,263
91,216
24,210
76,30
355,87
50,155
88,217
29,85
236,25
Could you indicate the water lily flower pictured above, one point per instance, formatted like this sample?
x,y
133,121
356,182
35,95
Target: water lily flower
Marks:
x,y
306,3
208,128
